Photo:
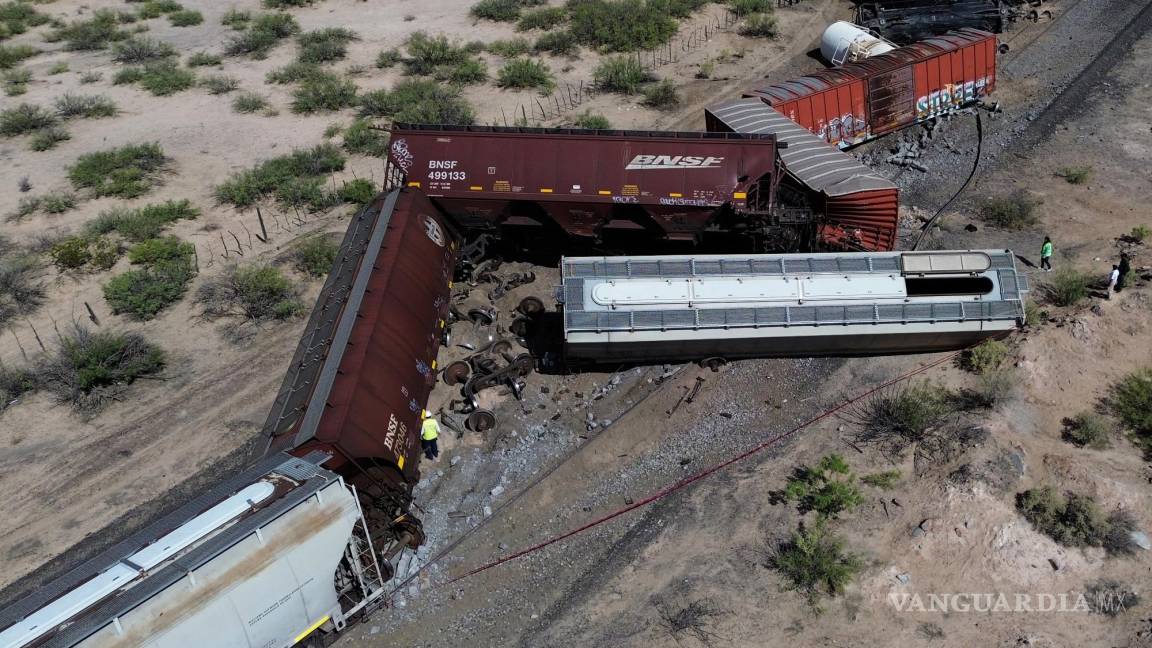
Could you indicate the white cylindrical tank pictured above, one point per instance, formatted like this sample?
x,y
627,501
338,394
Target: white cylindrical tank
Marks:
x,y
844,42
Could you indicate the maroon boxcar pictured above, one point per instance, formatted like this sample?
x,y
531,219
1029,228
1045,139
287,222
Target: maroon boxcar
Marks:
x,y
860,101
367,361
587,183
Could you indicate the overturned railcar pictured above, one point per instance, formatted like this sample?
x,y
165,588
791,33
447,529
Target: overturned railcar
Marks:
x,y
714,308
907,21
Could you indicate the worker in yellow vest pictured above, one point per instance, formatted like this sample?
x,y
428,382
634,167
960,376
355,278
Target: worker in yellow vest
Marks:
x,y
429,431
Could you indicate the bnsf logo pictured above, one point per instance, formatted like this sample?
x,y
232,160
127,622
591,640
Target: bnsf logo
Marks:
x,y
673,162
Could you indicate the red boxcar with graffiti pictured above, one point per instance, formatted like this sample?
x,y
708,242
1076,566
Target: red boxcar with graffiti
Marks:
x,y
861,101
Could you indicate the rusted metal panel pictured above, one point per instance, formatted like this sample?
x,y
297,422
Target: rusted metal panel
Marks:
x,y
583,181
896,89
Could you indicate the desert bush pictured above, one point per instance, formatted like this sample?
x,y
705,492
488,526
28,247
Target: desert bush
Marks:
x,y
360,191
12,55
249,102
886,480
526,73
58,68
661,96
323,91
1075,520
91,34
185,18
17,17
1130,401
156,8
418,101
1088,430
48,138
20,292
1076,174
254,293
1013,212
14,383
560,43
984,357
498,10
361,138
128,75
1109,597
759,25
705,70
1067,287
324,45
71,253
748,7
105,252
91,77
143,223
16,82
218,84
593,122
509,47
90,106
813,562
143,293
272,176
141,49
388,58
88,367
25,118
285,4
262,34
167,248
545,18
204,59
620,25
828,488
1140,233
623,74
903,415
465,73
293,73
315,256
127,172
235,18
990,389
427,53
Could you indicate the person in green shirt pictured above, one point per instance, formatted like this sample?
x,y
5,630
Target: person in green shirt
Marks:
x,y
1046,255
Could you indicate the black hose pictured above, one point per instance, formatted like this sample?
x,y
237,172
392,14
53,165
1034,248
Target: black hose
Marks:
x,y
975,167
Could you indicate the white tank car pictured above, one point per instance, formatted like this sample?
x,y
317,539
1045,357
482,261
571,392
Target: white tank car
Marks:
x,y
262,561
844,42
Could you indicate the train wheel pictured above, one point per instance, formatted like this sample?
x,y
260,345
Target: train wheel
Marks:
x,y
456,373
500,347
713,363
519,327
531,306
480,421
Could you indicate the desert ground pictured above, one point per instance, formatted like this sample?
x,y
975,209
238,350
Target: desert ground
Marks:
x,y
690,568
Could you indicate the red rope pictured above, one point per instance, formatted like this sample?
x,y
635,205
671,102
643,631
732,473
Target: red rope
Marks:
x,y
668,490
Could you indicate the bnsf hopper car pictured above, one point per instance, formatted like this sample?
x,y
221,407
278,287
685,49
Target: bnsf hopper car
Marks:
x,y
712,308
530,182
907,21
863,100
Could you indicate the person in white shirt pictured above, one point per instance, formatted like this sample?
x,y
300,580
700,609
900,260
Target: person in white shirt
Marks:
x,y
1113,277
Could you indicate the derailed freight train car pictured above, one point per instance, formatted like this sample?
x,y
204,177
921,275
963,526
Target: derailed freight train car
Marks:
x,y
907,21
534,183
860,101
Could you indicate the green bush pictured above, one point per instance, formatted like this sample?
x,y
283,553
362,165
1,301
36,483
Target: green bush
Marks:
x,y
156,8
315,256
71,253
12,55
509,47
560,43
14,383
141,49
143,293
285,4
759,26
1067,287
25,118
904,415
623,74
263,33
249,102
168,248
105,252
58,203
828,488
143,223
161,79
1014,212
498,10
1088,430
1140,233
277,174
218,84
388,58
92,34
813,562
361,138
545,18
90,106
58,68
984,357
87,364
323,91
593,122
20,292
48,138
1130,401
748,7
185,18
204,59
293,73
526,73
91,77
254,293
324,45
661,96
886,480
16,18
464,73
1076,174
236,18
1075,520
360,191
427,53
679,8
620,25
16,82
127,172
417,101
